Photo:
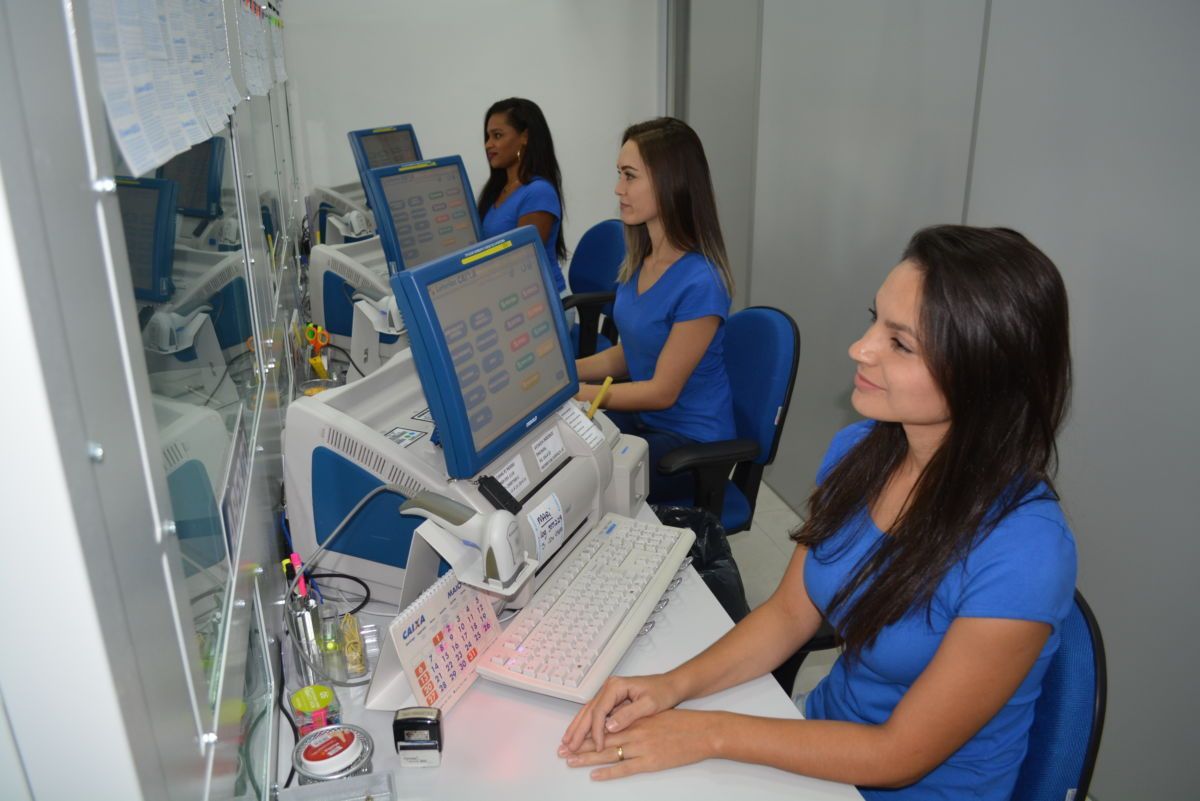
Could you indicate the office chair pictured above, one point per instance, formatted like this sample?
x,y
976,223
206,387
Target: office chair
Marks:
x,y
762,350
593,279
1068,717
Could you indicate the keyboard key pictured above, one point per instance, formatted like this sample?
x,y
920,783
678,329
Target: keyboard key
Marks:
x,y
571,635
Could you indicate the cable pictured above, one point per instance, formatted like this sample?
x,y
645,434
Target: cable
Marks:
x,y
346,353
366,590
225,374
288,717
353,513
312,560
286,529
244,750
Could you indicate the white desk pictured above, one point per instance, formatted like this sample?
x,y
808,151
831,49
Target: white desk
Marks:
x,y
500,742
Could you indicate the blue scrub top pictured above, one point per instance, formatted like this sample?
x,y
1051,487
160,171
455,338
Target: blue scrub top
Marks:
x,y
537,195
1023,570
691,288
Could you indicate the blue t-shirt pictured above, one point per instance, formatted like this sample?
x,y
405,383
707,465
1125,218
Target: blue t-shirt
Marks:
x,y
1023,570
691,288
537,195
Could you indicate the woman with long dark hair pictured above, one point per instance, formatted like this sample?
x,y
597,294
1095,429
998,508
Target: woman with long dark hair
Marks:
x,y
934,544
672,299
524,186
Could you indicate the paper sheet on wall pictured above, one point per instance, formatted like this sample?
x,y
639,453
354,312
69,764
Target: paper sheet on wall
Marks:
x,y
118,95
156,55
191,114
140,74
250,35
177,55
224,90
277,48
164,73
201,39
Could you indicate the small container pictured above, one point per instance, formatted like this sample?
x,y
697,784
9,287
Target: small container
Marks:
x,y
314,386
331,652
315,707
333,752
353,648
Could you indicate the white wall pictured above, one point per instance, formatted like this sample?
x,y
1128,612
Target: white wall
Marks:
x,y
1088,124
864,129
1088,142
592,67
722,105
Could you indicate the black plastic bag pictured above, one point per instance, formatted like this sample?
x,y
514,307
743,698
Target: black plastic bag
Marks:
x,y
711,556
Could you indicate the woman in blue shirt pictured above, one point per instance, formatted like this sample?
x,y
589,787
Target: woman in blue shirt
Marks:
x,y
525,185
934,544
672,300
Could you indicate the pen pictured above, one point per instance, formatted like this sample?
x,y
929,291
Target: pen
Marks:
x,y
301,589
591,412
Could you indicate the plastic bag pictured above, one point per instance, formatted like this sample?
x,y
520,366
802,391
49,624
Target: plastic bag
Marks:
x,y
711,556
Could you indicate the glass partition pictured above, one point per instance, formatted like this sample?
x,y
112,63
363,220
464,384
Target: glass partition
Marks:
x,y
271,206
185,256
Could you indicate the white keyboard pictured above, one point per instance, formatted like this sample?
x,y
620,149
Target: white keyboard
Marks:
x,y
578,625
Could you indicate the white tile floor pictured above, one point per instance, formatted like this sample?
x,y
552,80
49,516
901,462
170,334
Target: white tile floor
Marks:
x,y
762,554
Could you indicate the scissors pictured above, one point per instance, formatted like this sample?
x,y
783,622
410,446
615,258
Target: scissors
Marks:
x,y
316,336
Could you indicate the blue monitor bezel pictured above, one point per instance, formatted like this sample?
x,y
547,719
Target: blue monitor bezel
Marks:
x,y
163,248
216,171
360,153
435,368
372,182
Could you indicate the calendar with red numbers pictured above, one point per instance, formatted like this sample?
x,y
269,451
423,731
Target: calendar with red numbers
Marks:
x,y
438,638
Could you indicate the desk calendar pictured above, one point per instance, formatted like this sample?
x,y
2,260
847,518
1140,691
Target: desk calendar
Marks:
x,y
431,648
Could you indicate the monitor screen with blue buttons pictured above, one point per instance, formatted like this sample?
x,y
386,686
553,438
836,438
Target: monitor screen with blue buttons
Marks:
x,y
490,344
423,210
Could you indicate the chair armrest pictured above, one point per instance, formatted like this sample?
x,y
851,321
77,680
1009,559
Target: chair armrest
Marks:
x,y
727,452
588,299
710,463
822,640
590,305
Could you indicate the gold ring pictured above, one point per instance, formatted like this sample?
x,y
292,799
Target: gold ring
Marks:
x,y
620,753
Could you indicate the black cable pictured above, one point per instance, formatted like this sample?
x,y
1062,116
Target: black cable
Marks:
x,y
346,353
225,374
244,751
288,717
366,590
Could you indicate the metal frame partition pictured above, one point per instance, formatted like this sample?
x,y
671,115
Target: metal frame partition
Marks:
x,y
111,696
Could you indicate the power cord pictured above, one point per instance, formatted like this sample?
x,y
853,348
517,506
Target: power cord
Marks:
x,y
350,358
312,560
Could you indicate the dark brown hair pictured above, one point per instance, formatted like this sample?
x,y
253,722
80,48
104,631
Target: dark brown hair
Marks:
x,y
683,191
993,324
537,159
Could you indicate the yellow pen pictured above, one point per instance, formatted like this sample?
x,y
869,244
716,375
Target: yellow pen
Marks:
x,y
318,367
591,412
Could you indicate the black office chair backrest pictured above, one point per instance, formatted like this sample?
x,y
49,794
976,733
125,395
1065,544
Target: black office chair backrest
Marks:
x,y
1068,718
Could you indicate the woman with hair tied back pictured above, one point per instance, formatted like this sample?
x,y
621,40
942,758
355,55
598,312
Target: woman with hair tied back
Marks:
x,y
524,186
673,297
934,544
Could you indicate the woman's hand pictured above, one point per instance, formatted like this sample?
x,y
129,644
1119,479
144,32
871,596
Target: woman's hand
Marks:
x,y
620,702
664,740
